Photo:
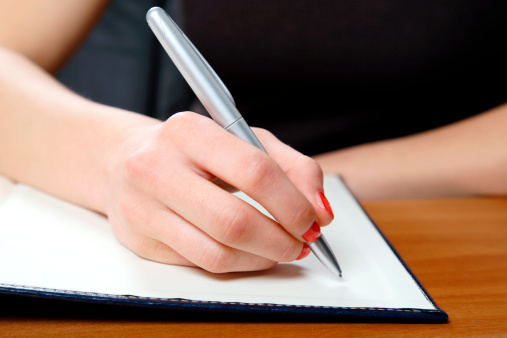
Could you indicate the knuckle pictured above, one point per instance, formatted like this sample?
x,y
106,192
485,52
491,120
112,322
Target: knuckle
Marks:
x,y
185,128
182,122
181,119
310,163
233,223
261,172
141,247
289,252
215,258
310,166
301,214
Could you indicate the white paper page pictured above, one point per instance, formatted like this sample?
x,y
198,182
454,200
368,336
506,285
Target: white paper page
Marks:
x,y
49,243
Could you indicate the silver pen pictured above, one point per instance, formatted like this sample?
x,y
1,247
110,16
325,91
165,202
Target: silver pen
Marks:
x,y
216,98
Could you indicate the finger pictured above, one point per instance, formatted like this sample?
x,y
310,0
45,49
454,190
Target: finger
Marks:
x,y
228,219
302,170
175,241
154,232
250,170
154,250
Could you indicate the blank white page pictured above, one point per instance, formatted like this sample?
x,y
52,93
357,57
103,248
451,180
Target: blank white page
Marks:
x,y
48,243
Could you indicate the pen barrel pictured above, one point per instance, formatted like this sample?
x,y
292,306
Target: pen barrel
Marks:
x,y
192,66
241,129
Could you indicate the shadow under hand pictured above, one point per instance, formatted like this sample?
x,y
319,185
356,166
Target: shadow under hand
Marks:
x,y
280,271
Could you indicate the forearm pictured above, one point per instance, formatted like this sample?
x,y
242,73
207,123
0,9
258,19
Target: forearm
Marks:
x,y
55,140
48,31
465,158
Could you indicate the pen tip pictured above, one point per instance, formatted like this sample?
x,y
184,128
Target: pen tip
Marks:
x,y
340,275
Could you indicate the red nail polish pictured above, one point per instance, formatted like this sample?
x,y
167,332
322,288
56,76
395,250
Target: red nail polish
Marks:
x,y
325,203
305,252
313,233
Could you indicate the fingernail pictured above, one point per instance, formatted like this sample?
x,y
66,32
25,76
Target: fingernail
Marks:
x,y
313,233
305,252
324,203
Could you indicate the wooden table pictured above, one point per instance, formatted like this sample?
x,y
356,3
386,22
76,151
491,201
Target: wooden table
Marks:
x,y
457,248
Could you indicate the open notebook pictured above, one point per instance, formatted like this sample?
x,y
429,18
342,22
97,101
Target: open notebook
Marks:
x,y
50,248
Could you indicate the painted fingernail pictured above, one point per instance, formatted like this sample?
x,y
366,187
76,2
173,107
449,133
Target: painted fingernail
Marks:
x,y
313,233
324,203
305,252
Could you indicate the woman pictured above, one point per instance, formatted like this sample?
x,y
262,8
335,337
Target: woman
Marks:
x,y
378,86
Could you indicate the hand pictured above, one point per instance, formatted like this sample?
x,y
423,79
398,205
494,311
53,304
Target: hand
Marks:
x,y
164,206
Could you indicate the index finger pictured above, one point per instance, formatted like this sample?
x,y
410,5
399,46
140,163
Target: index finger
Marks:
x,y
260,177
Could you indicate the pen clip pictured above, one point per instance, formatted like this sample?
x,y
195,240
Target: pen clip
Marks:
x,y
213,73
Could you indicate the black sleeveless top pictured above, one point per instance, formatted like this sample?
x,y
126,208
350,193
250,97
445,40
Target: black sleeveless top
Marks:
x,y
319,75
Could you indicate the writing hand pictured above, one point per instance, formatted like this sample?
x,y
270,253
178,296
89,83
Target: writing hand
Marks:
x,y
164,206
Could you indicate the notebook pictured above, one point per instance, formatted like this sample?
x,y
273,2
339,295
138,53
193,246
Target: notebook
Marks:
x,y
53,249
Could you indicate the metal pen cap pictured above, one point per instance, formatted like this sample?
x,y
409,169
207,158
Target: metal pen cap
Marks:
x,y
203,80
199,75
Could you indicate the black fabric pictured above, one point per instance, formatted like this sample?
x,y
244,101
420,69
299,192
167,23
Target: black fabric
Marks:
x,y
121,63
333,73
320,75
